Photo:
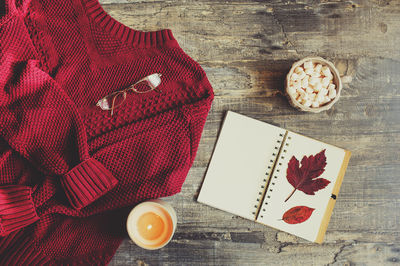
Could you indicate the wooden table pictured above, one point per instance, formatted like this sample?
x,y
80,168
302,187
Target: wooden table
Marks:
x,y
246,48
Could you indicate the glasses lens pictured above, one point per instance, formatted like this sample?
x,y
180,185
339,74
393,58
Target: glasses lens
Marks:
x,y
154,80
143,86
148,84
118,99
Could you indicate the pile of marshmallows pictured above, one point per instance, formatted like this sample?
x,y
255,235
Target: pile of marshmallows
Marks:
x,y
312,84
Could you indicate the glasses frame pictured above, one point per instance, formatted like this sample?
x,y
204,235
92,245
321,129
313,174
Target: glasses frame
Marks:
x,y
125,91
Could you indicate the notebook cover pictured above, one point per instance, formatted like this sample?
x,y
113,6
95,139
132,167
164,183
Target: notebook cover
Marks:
x,y
331,204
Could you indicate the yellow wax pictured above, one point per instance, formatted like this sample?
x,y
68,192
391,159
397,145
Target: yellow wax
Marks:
x,y
150,226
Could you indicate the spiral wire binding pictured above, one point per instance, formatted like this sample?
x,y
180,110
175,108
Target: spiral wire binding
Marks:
x,y
268,175
274,169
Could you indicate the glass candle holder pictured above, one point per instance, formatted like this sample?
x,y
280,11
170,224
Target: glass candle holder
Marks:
x,y
152,224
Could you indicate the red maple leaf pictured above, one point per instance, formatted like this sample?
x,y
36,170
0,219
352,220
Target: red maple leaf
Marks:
x,y
297,214
304,178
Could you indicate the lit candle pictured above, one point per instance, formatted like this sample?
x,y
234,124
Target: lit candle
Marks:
x,y
151,224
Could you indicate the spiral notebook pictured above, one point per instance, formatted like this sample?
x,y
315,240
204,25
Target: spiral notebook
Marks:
x,y
274,176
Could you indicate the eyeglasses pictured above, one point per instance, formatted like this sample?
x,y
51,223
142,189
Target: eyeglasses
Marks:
x,y
116,99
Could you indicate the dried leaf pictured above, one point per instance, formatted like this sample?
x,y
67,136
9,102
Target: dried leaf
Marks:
x,y
297,214
304,178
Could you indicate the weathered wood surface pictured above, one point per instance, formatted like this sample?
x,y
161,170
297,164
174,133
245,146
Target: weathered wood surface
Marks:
x,y
246,48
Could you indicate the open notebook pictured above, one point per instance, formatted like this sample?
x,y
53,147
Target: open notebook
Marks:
x,y
275,177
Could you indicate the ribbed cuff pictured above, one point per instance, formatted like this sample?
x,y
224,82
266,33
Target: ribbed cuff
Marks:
x,y
16,208
87,182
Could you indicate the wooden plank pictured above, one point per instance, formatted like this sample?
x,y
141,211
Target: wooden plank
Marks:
x,y
252,30
246,48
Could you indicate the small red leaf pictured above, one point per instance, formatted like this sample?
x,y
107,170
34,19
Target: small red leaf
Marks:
x,y
297,214
304,178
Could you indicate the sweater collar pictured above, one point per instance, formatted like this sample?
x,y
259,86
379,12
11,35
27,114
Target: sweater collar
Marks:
x,y
124,33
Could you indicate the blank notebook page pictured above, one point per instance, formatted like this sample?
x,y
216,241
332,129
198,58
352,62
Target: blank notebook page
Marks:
x,y
239,164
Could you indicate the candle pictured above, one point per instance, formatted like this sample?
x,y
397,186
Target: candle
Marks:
x,y
151,224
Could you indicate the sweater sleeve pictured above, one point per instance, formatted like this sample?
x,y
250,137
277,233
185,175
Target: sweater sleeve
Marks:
x,y
16,208
40,122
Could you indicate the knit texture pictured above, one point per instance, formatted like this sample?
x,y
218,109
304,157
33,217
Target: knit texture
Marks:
x,y
16,208
87,182
70,172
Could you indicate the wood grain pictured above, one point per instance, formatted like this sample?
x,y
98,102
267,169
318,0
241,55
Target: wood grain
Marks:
x,y
246,48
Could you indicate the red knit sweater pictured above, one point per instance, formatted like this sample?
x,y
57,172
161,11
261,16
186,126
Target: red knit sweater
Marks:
x,y
67,168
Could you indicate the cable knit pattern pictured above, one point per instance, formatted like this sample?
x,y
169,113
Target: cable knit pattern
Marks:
x,y
70,172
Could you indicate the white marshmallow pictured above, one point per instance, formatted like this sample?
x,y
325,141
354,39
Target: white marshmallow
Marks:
x,y
320,98
326,71
325,82
322,94
309,71
332,93
315,74
315,104
307,103
311,84
298,70
292,90
318,86
318,68
304,81
296,84
294,76
312,81
331,86
302,75
304,97
309,90
313,96
308,65
301,95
